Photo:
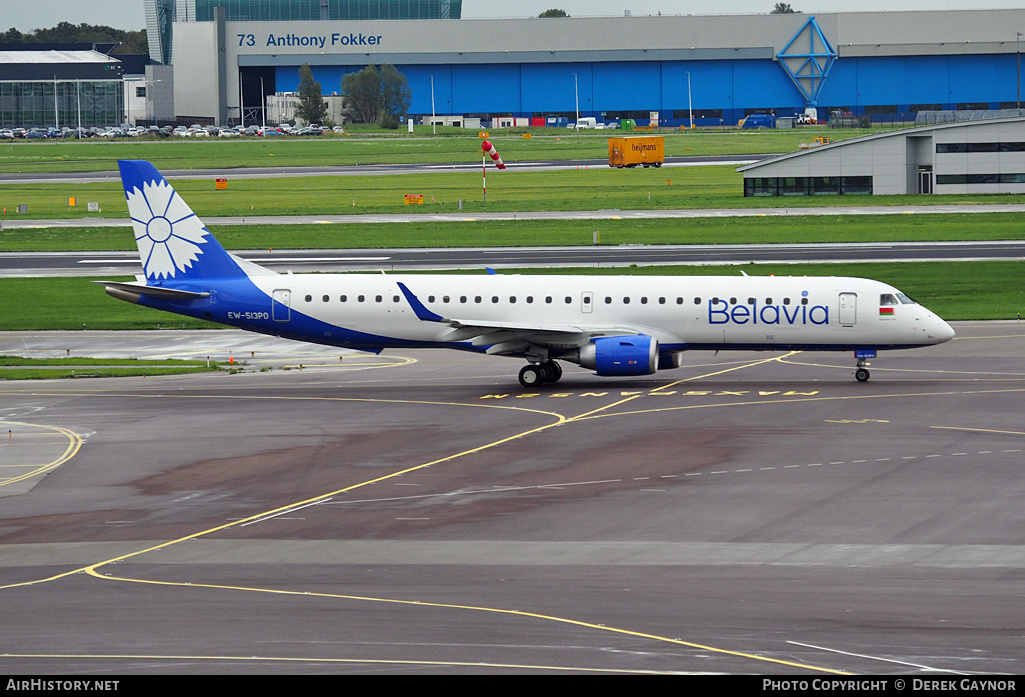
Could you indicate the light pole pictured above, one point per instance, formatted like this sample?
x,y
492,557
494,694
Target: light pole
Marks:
x,y
690,104
1017,51
576,95
434,123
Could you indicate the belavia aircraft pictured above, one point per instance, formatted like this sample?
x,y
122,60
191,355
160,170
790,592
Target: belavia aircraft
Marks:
x,y
615,326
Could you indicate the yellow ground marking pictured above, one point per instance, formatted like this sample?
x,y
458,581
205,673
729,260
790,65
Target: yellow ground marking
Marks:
x,y
74,443
727,370
981,430
1009,376
475,608
560,419
795,400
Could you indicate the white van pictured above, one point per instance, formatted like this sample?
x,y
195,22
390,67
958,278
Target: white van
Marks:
x,y
586,122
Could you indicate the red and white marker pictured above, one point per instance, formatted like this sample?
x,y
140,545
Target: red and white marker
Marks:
x,y
490,150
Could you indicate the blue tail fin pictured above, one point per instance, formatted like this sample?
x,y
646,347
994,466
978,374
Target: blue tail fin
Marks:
x,y
173,243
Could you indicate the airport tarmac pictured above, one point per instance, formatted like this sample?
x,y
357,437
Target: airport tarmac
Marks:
x,y
420,512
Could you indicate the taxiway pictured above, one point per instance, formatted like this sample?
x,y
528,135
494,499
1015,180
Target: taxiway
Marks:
x,y
747,513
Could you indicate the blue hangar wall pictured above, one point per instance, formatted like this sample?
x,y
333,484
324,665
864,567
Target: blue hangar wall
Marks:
x,y
883,87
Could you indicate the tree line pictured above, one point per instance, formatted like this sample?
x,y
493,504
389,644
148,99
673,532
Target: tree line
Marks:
x,y
67,33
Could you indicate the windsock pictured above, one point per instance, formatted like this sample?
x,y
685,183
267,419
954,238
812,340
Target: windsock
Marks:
x,y
490,150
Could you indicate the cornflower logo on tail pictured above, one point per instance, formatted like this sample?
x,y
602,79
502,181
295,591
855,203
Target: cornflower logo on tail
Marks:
x,y
168,233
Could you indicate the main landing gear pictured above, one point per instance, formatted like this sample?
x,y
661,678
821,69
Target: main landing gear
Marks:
x,y
534,374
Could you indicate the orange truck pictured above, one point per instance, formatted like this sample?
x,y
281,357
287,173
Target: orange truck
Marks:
x,y
645,151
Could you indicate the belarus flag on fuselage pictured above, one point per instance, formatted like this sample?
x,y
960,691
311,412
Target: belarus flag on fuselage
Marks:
x,y
886,312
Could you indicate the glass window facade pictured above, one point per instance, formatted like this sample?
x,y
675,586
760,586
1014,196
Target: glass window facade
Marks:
x,y
309,10
31,104
808,186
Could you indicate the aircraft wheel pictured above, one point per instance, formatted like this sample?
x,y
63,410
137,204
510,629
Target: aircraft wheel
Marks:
x,y
550,371
531,376
861,375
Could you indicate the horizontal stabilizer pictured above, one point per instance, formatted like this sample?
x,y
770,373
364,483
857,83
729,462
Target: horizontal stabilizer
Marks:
x,y
133,291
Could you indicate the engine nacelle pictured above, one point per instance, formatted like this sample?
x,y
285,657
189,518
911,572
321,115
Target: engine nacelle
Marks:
x,y
612,356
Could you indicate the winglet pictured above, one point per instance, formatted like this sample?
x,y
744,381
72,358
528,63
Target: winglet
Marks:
x,y
422,313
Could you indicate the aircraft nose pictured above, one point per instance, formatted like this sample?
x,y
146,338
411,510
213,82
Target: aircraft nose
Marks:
x,y
941,331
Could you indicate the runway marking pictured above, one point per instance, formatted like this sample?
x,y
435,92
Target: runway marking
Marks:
x,y
877,658
92,569
980,430
475,608
74,444
560,420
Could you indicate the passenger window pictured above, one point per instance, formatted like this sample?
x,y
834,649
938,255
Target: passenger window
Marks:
x,y
530,299
786,301
430,299
768,301
478,299
494,298
697,301
445,299
395,298
608,300
644,301
379,298
626,301
309,298
750,301
661,301
462,298
361,298
343,298
569,300
548,299
733,301
512,299
804,301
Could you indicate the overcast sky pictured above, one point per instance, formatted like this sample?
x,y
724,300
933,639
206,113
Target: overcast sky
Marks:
x,y
26,15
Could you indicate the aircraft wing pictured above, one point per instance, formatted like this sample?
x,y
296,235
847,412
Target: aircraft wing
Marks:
x,y
513,337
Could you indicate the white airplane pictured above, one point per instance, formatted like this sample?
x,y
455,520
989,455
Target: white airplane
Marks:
x,y
615,326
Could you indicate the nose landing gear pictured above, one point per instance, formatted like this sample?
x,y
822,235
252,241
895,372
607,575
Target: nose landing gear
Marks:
x,y
861,373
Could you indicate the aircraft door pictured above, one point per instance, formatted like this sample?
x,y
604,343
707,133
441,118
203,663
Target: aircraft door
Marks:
x,y
586,301
848,309
281,305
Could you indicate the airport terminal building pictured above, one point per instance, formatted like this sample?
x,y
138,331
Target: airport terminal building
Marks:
x,y
718,68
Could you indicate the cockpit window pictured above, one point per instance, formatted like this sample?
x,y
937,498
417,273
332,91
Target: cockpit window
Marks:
x,y
905,300
887,299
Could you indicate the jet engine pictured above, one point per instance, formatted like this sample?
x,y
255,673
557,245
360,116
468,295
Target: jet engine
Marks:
x,y
620,355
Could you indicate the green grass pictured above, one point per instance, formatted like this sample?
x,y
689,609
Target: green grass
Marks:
x,y
565,190
372,146
76,304
521,233
954,290
18,368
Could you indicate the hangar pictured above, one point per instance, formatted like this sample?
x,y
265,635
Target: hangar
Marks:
x,y
721,68
978,157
